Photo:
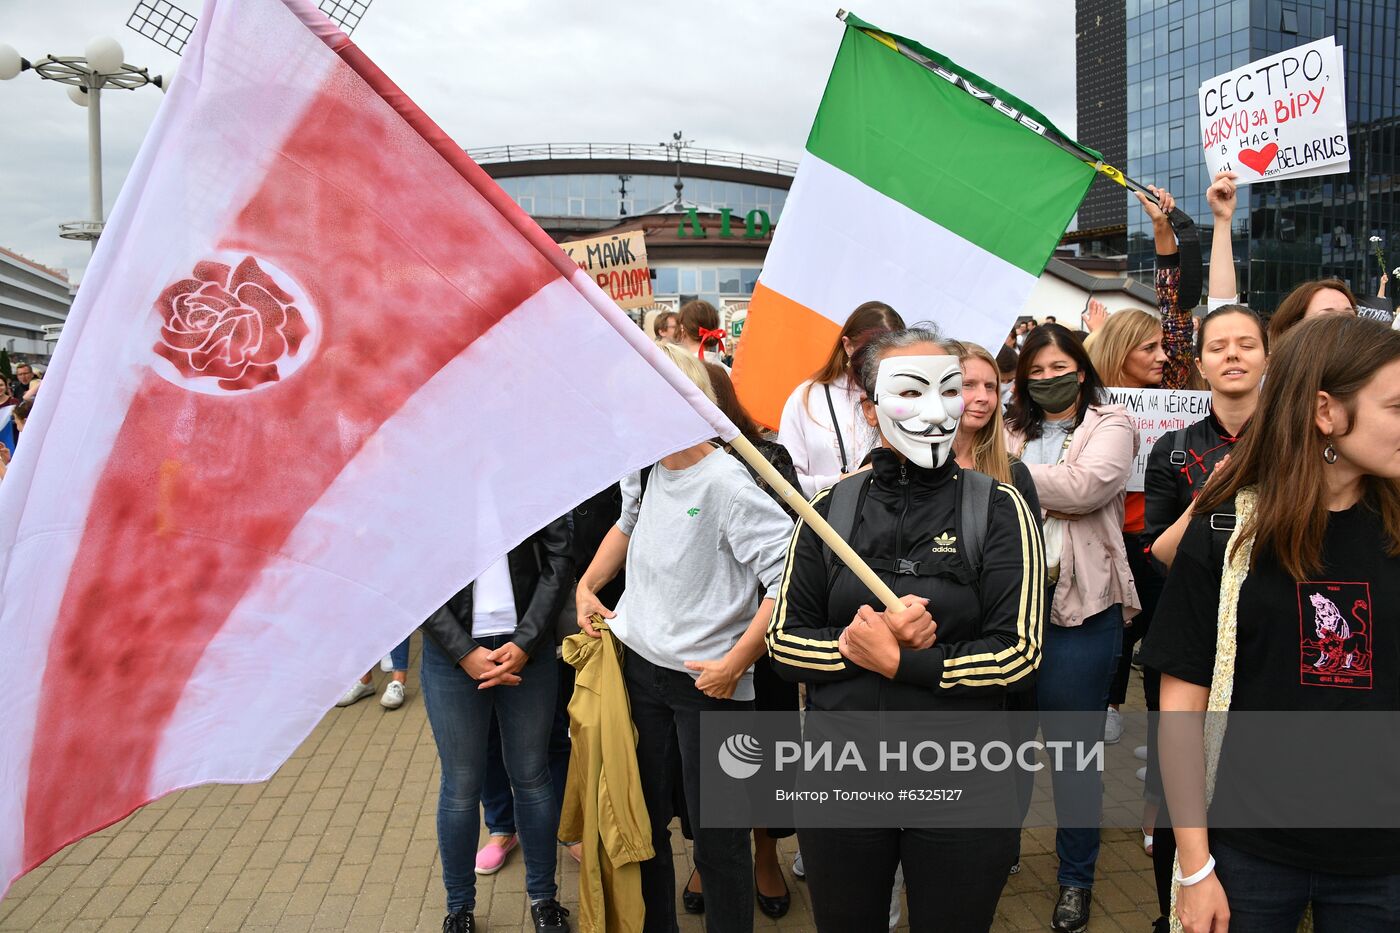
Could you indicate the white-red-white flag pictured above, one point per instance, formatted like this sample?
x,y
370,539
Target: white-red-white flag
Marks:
x,y
320,373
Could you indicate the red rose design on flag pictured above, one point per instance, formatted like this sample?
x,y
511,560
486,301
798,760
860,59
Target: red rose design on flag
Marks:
x,y
230,325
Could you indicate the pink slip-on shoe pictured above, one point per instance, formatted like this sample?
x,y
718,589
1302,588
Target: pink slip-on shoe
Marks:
x,y
493,855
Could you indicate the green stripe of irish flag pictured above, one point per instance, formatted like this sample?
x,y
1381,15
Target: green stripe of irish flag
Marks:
x,y
916,136
922,187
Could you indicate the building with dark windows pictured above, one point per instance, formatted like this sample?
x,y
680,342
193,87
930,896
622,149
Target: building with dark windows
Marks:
x,y
586,189
1285,232
1101,74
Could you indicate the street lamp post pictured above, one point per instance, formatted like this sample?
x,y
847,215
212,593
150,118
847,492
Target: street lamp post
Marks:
x,y
87,76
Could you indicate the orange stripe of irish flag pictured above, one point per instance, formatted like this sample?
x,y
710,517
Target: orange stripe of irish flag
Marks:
x,y
783,344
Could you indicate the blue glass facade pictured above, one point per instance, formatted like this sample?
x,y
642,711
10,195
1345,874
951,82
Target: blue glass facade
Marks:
x,y
599,196
1292,230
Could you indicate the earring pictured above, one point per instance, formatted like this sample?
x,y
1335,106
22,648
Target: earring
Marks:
x,y
1329,453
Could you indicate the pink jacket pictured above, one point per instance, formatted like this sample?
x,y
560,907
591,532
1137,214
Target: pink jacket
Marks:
x,y
1094,572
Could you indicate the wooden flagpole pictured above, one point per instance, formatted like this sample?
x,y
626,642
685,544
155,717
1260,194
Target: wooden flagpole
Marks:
x,y
799,504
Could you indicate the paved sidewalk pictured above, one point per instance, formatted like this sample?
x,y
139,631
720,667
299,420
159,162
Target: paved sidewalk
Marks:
x,y
343,838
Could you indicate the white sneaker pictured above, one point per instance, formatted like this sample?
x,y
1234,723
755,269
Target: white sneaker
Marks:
x,y
355,694
1140,753
393,695
1113,726
386,664
798,869
1142,773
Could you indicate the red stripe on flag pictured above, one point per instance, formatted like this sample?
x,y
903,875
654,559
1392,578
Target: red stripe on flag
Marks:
x,y
405,266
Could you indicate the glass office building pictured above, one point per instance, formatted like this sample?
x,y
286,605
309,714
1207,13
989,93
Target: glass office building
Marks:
x,y
1284,232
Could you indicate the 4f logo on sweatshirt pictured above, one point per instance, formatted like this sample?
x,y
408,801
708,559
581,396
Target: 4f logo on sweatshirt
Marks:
x,y
692,512
945,543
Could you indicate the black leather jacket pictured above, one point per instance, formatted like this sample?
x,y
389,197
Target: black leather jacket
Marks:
x,y
541,574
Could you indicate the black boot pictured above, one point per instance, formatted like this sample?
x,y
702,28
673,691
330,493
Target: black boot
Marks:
x,y
1071,910
460,922
549,917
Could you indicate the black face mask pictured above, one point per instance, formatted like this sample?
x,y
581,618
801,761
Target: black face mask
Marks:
x,y
1055,394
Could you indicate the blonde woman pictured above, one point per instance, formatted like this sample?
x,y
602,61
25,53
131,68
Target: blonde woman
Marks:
x,y
981,440
703,547
980,445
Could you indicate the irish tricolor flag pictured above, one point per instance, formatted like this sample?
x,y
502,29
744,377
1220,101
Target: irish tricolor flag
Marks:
x,y
924,187
321,373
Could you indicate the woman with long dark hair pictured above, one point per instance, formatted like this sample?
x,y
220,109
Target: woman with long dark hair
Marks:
x,y
822,425
1231,352
1310,542
698,332
1080,452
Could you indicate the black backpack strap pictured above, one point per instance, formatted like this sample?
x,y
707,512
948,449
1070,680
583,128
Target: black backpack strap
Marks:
x,y
846,498
974,506
836,426
1222,526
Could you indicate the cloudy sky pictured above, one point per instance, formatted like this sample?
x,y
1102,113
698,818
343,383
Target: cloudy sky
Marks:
x,y
732,74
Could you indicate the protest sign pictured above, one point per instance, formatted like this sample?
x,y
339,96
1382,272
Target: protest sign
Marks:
x,y
618,263
1283,116
1155,412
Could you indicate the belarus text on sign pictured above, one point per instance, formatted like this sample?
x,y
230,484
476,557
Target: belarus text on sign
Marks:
x,y
618,263
1155,412
1284,116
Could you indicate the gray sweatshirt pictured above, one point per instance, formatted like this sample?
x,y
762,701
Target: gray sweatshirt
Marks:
x,y
707,546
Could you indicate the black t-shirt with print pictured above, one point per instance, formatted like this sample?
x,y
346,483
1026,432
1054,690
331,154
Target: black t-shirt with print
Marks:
x,y
1328,644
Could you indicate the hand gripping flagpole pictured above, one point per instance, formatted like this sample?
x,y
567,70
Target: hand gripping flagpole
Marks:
x,y
839,546
1188,238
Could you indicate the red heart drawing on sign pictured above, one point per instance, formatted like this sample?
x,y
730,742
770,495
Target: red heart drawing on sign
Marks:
x,y
1259,159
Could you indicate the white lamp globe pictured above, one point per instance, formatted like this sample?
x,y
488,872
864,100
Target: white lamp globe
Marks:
x,y
78,96
105,55
10,62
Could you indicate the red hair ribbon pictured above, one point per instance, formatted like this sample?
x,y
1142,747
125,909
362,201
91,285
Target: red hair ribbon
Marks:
x,y
707,334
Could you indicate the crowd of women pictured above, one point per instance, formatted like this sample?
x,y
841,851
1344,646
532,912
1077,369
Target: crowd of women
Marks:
x,y
711,598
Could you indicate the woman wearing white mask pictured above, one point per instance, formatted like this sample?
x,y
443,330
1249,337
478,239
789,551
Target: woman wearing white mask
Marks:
x,y
913,523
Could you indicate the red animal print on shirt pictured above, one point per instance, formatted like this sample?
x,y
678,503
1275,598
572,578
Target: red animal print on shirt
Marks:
x,y
1334,635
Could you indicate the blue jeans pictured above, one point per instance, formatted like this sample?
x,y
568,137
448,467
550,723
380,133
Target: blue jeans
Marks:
x,y
1075,675
666,710
398,658
1267,897
497,805
460,716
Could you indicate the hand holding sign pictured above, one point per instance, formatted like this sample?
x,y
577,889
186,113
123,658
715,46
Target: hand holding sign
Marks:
x,y
1283,116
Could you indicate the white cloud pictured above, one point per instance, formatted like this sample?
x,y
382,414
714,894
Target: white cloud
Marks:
x,y
732,75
